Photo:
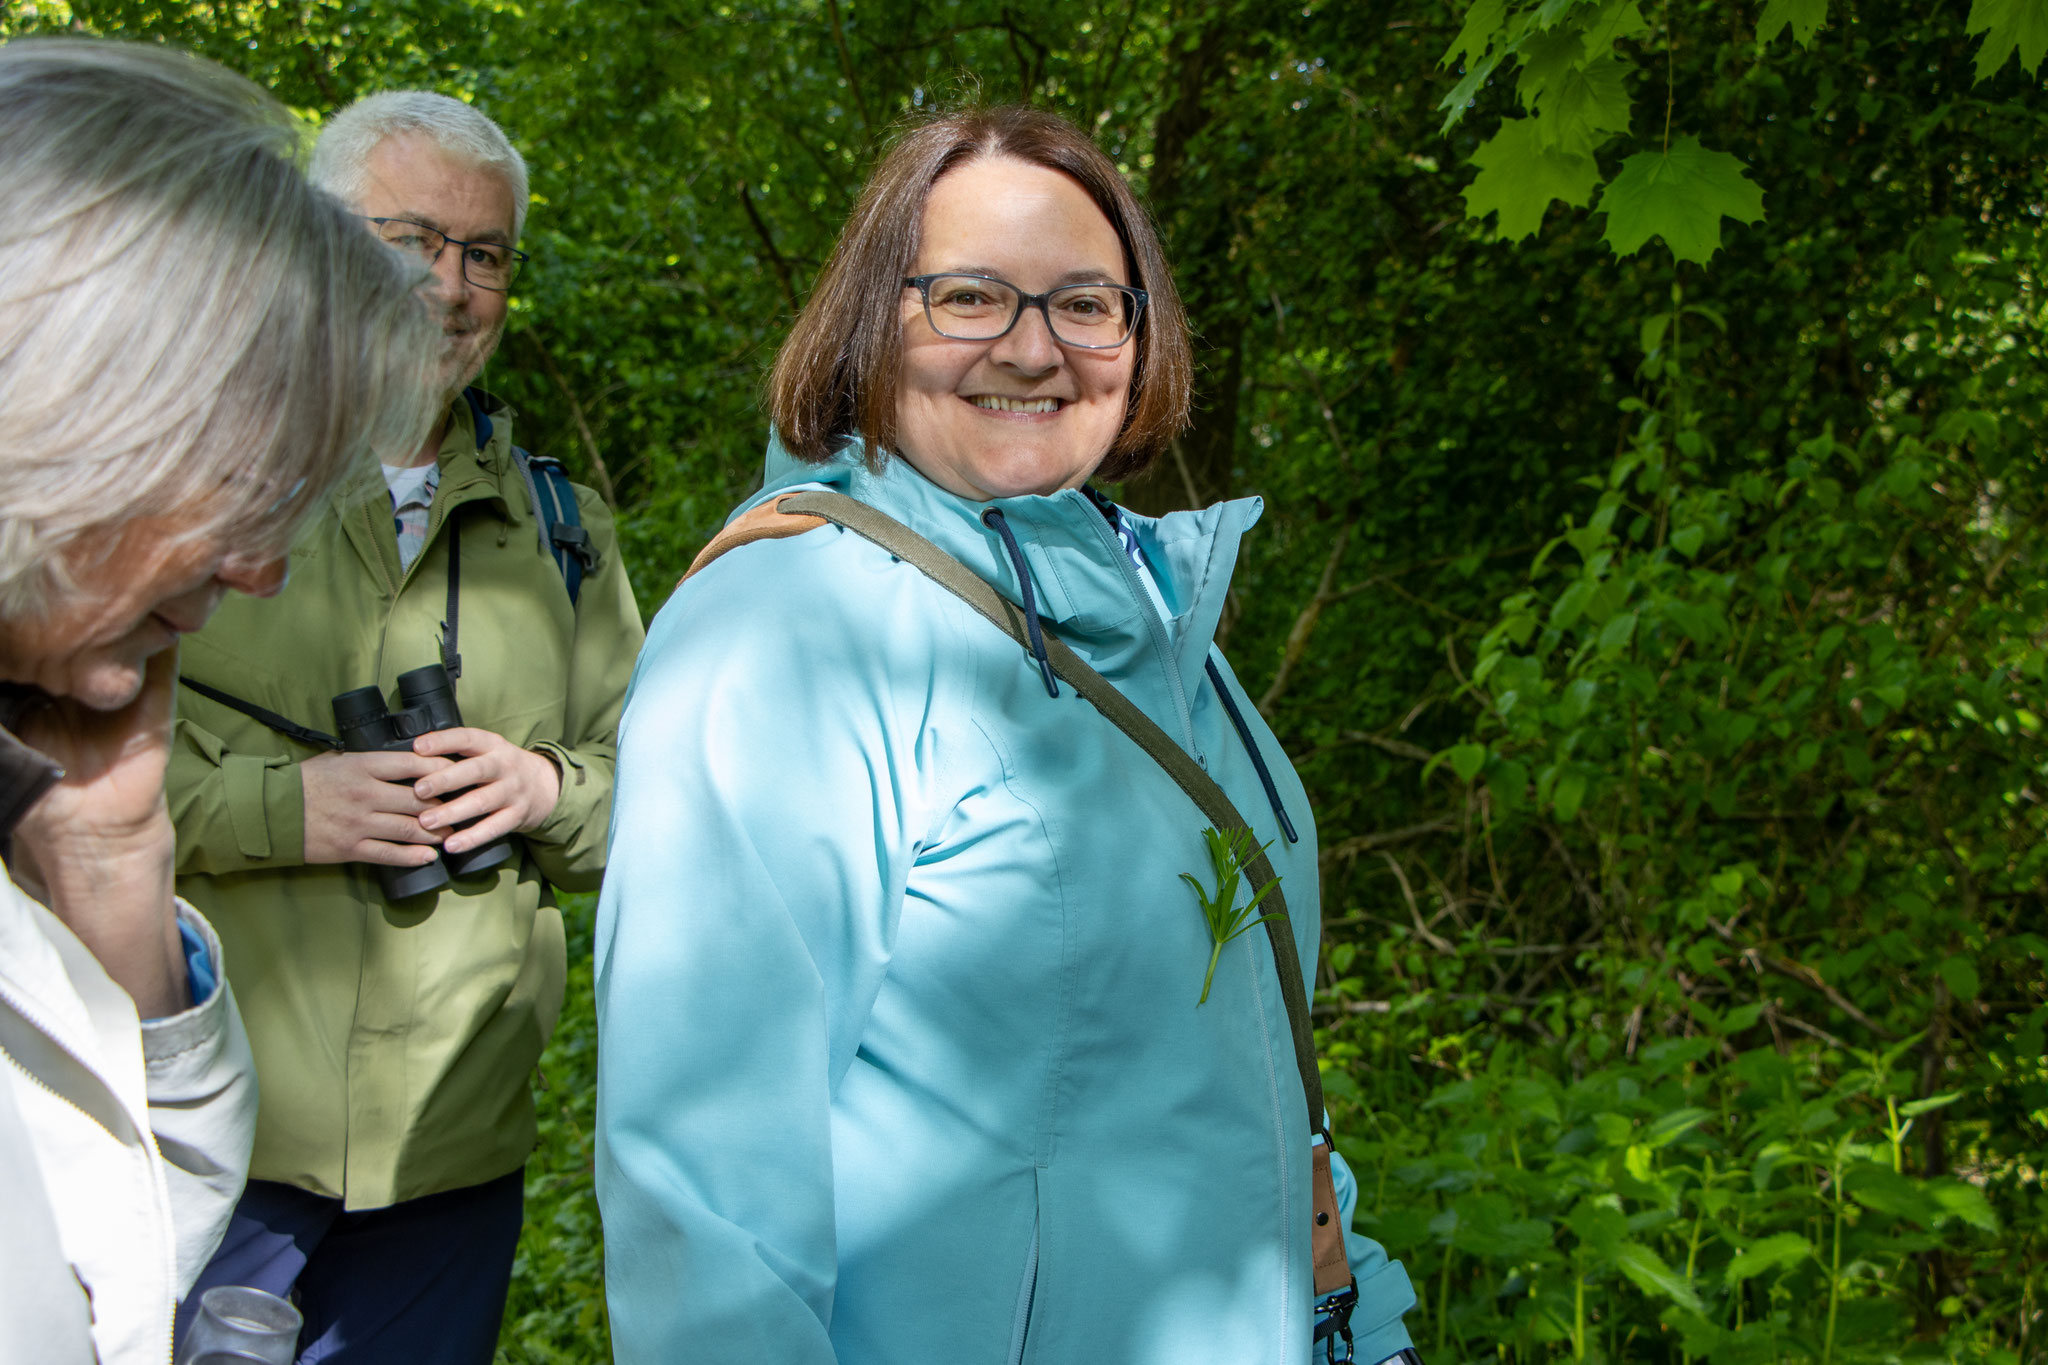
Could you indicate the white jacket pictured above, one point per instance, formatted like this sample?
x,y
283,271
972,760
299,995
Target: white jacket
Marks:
x,y
123,1146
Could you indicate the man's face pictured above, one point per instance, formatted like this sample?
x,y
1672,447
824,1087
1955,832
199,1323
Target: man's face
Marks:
x,y
410,177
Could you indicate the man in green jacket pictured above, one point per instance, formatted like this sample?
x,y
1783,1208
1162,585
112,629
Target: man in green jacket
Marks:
x,y
394,1034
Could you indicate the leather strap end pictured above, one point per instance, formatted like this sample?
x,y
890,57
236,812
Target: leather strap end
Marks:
x,y
766,522
1333,1265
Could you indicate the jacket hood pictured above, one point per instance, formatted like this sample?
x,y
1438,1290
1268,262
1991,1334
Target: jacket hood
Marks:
x,y
1080,577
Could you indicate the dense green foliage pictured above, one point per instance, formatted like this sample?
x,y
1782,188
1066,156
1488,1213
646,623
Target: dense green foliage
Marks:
x,y
1661,633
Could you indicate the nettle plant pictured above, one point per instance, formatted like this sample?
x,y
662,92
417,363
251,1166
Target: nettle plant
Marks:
x,y
1699,1203
1761,742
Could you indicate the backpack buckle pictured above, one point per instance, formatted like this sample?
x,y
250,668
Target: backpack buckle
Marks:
x,y
576,541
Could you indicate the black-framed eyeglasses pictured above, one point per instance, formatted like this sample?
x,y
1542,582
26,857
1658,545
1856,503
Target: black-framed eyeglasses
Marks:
x,y
1096,317
487,265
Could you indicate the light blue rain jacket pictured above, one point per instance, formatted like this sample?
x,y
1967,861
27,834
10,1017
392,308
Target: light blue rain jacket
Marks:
x,y
900,1061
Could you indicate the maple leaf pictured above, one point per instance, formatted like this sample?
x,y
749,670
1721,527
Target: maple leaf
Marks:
x,y
2009,25
1804,16
1582,106
1619,19
1460,98
1680,195
1482,21
1546,59
1518,177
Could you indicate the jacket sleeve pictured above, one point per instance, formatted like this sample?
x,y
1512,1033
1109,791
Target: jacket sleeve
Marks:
x,y
201,1082
234,812
569,846
760,848
1384,1293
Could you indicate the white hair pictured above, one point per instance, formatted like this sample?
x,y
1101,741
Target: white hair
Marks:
x,y
189,331
341,158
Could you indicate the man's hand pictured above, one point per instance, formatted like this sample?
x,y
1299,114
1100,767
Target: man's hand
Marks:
x,y
99,845
362,808
511,788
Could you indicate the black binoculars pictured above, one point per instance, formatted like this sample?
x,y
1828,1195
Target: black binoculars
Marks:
x,y
426,702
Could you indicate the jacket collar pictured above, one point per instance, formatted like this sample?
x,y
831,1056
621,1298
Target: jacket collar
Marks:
x,y
476,466
25,773
1078,569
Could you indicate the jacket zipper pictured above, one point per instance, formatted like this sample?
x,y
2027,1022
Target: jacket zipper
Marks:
x,y
1027,1294
15,1003
146,1141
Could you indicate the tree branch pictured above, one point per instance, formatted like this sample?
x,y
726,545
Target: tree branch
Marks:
x,y
1368,843
775,261
1305,623
1805,976
860,104
599,475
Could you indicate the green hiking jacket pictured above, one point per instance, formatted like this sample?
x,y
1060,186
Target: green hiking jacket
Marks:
x,y
393,1040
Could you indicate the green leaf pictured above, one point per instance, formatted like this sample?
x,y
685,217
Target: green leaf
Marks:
x,y
1571,791
1466,760
1488,1226
1584,106
1963,1200
1518,177
1461,94
1673,1126
1915,1108
1775,1252
1546,58
1599,1225
1687,541
1617,20
1804,16
1482,21
1653,1276
1509,783
1961,975
1571,603
1615,635
1882,1189
1530,1096
2009,26
1680,195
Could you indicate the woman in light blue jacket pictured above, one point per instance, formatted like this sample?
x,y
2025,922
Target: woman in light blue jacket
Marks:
x,y
901,1055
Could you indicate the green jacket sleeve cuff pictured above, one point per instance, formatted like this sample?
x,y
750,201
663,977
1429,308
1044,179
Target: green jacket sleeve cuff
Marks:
x,y
569,846
266,801
235,812
583,791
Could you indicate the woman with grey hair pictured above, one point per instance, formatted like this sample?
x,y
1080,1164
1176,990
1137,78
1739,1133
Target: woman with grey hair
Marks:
x,y
195,346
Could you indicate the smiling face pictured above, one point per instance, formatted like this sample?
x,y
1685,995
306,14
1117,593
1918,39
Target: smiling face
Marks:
x,y
1023,413
154,587
411,177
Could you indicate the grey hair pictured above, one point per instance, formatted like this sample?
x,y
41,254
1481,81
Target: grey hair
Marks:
x,y
189,331
341,158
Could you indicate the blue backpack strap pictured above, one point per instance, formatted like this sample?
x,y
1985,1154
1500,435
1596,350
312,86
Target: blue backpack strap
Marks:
x,y
555,514
561,523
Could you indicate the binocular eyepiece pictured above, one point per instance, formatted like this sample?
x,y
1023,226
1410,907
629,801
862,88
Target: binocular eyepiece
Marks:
x,y
426,702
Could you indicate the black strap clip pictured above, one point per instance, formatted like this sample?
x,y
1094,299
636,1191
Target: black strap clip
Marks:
x,y
1334,1328
576,541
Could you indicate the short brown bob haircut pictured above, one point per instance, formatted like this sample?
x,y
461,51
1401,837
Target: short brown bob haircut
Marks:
x,y
835,376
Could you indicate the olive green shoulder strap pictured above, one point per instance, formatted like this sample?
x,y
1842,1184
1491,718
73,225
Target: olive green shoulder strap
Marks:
x,y
950,574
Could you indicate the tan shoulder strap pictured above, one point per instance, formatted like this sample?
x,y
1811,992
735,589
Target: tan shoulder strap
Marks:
x,y
1209,798
795,513
766,522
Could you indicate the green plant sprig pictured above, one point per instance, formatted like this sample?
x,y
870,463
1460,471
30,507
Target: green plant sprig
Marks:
x,y
1230,851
